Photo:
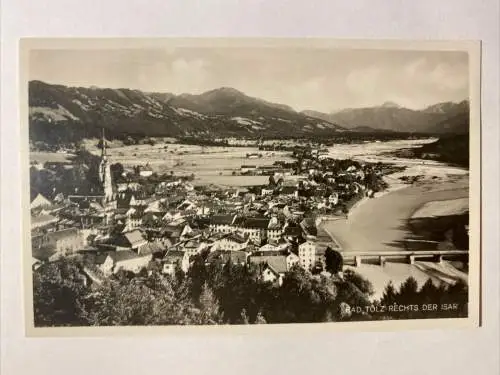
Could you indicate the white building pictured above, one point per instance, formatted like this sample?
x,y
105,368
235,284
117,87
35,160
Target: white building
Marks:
x,y
266,191
267,247
307,254
175,258
233,242
333,198
126,260
145,171
222,223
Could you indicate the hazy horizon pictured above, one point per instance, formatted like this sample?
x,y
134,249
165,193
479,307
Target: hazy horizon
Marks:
x,y
325,80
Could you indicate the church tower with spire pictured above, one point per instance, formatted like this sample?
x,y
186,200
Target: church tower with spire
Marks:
x,y
105,172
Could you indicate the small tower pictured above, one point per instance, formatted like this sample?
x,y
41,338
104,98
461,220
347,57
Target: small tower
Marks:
x,y
105,172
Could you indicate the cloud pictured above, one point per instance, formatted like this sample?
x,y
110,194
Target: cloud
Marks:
x,y
319,79
363,81
306,93
416,67
187,75
178,76
449,77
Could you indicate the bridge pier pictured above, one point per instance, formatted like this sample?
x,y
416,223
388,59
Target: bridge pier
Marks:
x,y
439,258
381,261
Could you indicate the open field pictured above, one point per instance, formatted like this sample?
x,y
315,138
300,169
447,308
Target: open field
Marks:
x,y
209,164
42,157
375,150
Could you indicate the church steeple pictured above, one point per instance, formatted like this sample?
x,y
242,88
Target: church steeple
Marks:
x,y
103,144
105,172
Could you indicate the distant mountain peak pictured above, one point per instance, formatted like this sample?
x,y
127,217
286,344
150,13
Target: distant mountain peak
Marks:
x,y
224,90
389,104
446,117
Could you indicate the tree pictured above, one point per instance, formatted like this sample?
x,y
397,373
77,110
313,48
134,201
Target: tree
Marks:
x,y
197,276
317,268
350,295
364,285
58,292
260,318
272,182
390,296
244,317
209,306
408,292
116,171
333,261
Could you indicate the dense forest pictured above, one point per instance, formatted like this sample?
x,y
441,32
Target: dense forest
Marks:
x,y
224,293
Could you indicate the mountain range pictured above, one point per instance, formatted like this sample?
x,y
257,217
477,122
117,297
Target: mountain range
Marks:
x,y
221,112
447,117
59,113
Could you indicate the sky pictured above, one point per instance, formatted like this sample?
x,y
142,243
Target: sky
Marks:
x,y
325,80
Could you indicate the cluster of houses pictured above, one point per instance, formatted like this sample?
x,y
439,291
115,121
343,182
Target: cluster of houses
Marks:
x,y
137,231
275,227
266,170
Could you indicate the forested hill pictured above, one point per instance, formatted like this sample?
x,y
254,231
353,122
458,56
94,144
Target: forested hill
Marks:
x,y
453,149
61,114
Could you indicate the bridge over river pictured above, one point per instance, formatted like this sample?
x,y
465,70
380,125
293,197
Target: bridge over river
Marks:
x,y
357,258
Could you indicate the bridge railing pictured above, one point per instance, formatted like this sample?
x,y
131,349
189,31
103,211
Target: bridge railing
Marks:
x,y
380,257
404,253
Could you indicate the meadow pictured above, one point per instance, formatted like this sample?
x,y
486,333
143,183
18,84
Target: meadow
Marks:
x,y
216,165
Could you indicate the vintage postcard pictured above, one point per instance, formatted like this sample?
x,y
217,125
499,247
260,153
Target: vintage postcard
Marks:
x,y
244,182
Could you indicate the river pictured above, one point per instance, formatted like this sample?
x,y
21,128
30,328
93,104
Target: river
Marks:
x,y
379,224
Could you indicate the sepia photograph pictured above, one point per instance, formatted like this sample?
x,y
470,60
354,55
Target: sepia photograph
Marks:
x,y
240,182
